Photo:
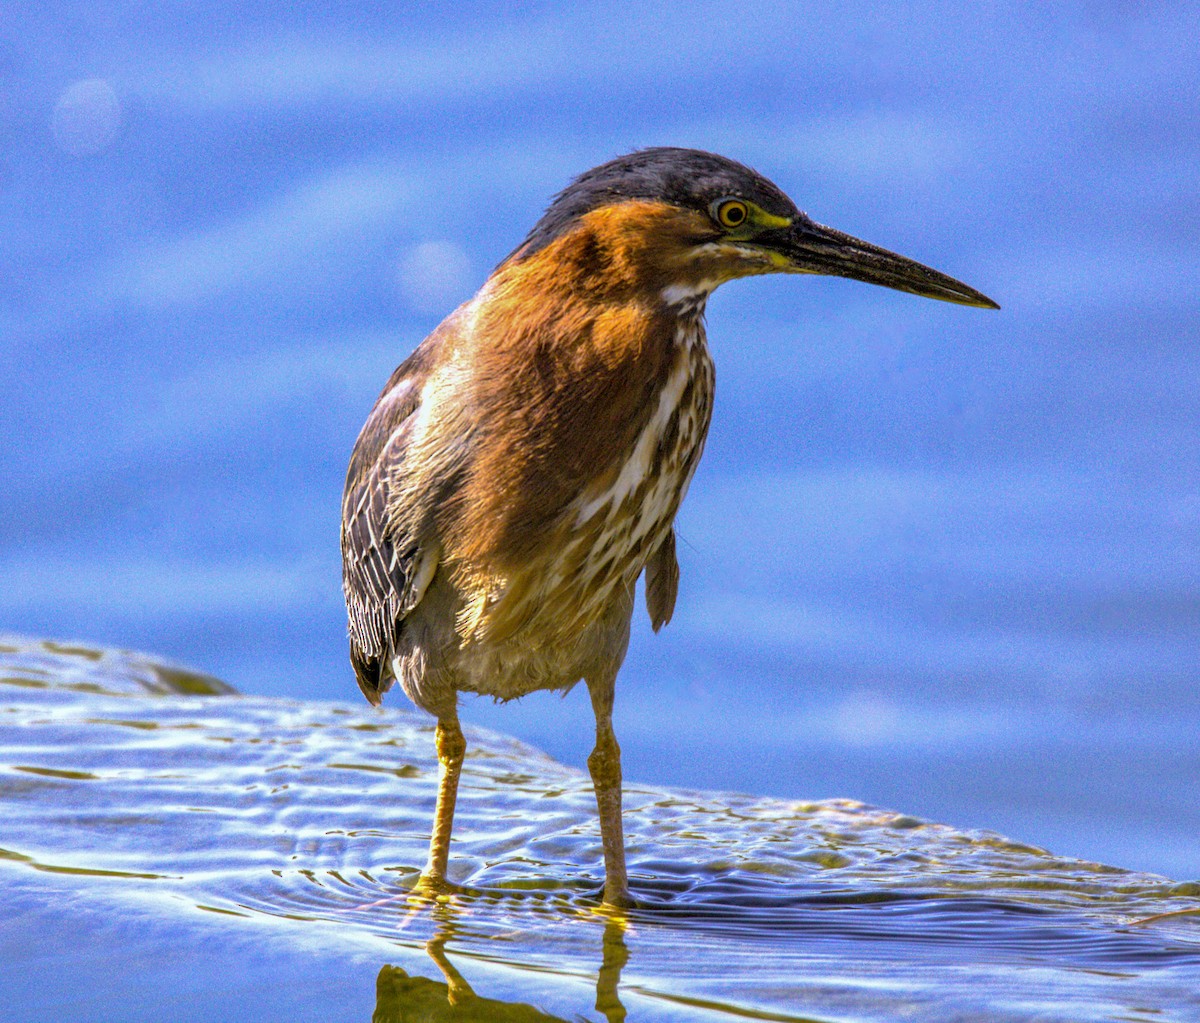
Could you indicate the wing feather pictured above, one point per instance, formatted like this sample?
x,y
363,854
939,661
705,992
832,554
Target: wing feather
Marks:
x,y
386,565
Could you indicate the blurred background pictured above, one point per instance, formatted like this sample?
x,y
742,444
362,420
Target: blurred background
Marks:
x,y
935,558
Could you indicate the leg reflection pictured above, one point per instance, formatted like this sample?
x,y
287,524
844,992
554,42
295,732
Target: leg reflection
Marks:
x,y
616,955
400,998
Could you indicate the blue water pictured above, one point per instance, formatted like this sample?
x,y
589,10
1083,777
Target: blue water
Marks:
x,y
935,558
173,850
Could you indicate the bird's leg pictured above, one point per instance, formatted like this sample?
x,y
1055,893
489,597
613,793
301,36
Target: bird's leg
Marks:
x,y
451,747
605,767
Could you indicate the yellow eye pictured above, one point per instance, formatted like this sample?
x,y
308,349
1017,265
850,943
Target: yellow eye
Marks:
x,y
731,212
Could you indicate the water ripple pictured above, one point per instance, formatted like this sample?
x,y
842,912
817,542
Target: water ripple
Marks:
x,y
117,771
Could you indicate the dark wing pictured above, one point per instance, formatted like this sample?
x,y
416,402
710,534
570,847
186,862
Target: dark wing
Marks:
x,y
662,582
382,567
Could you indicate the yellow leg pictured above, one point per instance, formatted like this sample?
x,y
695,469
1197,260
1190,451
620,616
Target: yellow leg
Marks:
x,y
605,767
451,747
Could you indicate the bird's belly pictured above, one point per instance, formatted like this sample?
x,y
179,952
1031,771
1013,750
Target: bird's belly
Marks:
x,y
573,621
531,661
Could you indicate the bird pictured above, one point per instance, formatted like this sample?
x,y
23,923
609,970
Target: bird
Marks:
x,y
523,467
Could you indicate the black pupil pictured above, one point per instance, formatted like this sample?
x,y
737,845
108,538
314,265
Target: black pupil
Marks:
x,y
734,213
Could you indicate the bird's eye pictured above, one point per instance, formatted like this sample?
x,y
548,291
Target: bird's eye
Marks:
x,y
731,212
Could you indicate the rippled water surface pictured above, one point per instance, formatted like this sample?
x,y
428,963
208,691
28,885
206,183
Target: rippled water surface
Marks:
x,y
170,847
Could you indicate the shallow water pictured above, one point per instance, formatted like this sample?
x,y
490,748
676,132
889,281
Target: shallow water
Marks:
x,y
169,843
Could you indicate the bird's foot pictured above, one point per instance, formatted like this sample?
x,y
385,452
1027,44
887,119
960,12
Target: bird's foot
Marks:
x,y
616,899
431,889
621,901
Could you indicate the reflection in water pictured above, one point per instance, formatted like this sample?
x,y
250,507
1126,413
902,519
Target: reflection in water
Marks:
x,y
401,998
160,791
608,980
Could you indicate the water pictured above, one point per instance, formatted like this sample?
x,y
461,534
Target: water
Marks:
x,y
933,557
172,847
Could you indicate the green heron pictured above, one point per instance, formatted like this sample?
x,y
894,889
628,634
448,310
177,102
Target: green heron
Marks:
x,y
523,467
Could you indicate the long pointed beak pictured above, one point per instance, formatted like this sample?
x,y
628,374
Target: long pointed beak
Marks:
x,y
813,248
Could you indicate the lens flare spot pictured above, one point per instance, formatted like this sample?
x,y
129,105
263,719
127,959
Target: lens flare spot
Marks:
x,y
86,117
